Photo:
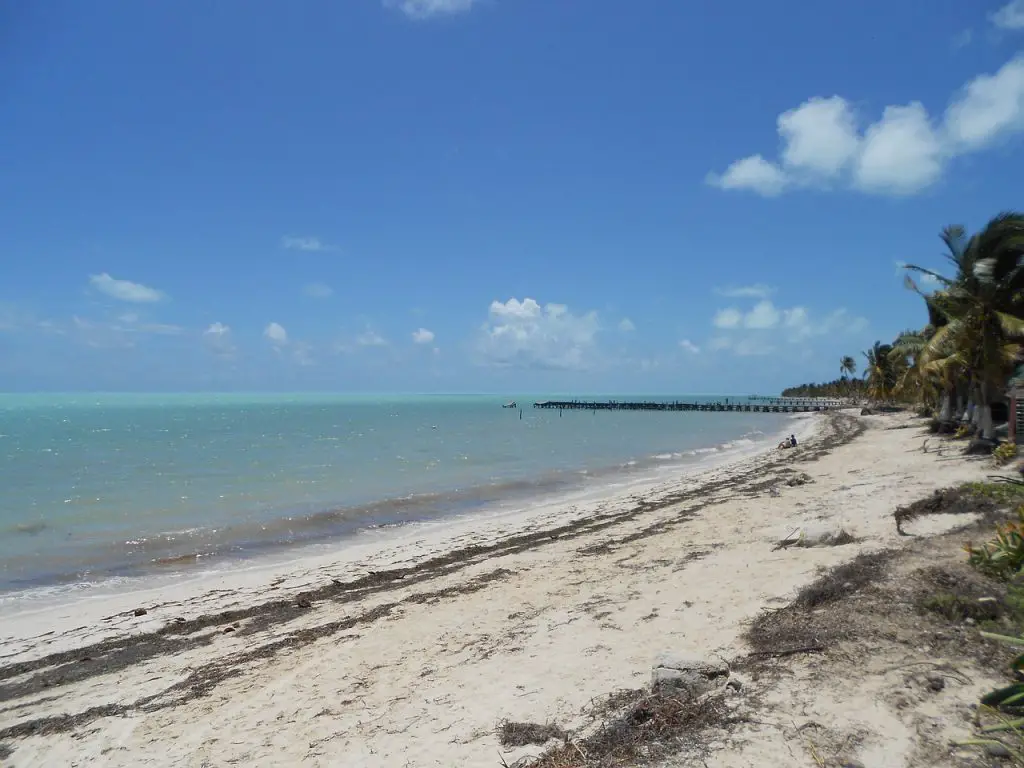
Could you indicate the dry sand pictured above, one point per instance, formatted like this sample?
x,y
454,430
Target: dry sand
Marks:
x,y
413,655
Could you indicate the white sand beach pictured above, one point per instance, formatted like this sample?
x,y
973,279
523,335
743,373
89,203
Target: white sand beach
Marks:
x,y
346,661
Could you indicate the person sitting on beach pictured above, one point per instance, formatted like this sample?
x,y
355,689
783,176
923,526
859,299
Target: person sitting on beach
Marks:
x,y
784,444
792,441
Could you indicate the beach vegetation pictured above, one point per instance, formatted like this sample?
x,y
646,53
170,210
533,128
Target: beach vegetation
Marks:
x,y
1003,556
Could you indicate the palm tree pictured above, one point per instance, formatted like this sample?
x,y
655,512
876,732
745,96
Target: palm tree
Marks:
x,y
914,381
879,372
982,306
847,368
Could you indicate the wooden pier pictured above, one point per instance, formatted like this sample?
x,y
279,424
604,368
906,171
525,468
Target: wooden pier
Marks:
x,y
782,406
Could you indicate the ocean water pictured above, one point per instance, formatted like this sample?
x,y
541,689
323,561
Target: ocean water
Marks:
x,y
101,486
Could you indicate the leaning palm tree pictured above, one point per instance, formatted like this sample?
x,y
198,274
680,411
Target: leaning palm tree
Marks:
x,y
982,305
915,382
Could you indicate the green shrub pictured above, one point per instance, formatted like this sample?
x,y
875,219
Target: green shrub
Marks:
x,y
964,430
1003,557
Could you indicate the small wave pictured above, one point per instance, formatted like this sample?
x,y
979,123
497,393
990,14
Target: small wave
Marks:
x,y
702,451
740,443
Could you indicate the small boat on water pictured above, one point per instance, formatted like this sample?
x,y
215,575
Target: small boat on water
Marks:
x,y
510,404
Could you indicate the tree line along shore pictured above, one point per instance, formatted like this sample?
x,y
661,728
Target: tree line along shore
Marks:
x,y
963,365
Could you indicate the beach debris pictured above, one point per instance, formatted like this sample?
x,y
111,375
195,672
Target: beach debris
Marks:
x,y
801,479
511,734
695,676
140,611
304,602
816,536
936,682
960,500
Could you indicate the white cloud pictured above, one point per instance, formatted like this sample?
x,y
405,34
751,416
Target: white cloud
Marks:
x,y
124,290
318,291
305,243
988,107
757,330
276,334
422,336
689,346
763,315
757,291
526,334
819,137
728,318
370,338
753,173
903,152
218,339
1010,16
425,9
626,325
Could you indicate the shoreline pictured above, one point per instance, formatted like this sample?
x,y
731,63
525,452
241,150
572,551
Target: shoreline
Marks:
x,y
415,661
372,544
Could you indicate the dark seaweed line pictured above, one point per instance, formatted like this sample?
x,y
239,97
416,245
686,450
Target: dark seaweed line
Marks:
x,y
119,653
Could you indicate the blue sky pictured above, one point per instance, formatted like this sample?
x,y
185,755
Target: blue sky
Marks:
x,y
485,195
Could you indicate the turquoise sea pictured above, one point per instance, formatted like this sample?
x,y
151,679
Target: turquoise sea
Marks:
x,y
100,486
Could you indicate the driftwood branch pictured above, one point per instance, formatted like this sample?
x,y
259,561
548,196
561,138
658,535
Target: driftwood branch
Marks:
x,y
788,651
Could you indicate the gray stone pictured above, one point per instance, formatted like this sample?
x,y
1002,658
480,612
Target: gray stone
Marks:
x,y
998,750
936,682
693,675
735,684
853,764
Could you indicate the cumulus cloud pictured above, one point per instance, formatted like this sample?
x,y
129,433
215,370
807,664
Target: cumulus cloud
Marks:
x,y
425,9
318,291
124,290
689,346
903,152
422,336
527,335
728,318
276,334
626,325
763,315
753,173
1010,16
305,243
750,332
